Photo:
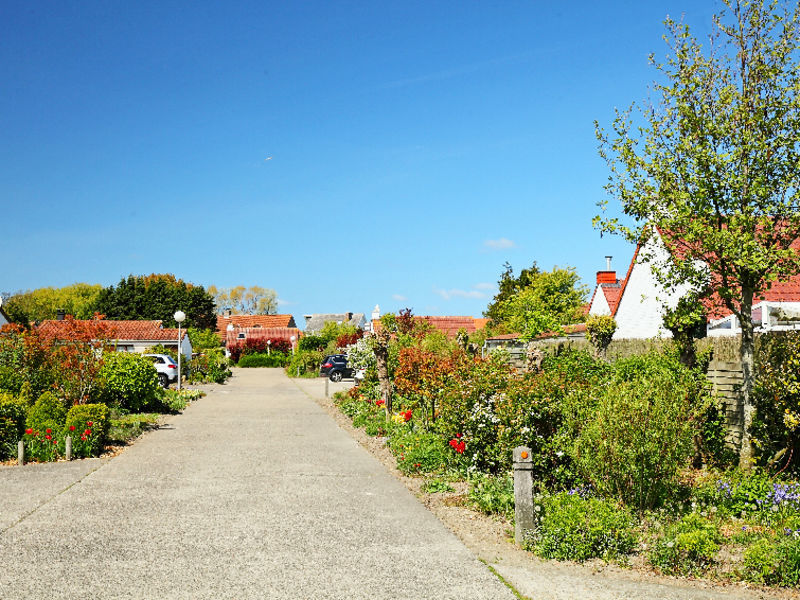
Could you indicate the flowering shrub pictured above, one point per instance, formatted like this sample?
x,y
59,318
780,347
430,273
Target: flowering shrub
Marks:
x,y
88,425
25,361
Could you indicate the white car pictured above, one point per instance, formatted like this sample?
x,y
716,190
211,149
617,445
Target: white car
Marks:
x,y
167,368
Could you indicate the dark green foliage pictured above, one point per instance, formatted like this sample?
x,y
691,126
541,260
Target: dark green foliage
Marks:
x,y
91,424
508,286
47,413
687,547
12,424
273,359
158,297
571,527
129,381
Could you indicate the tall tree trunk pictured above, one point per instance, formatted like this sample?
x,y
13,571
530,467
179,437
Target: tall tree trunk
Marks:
x,y
382,360
746,352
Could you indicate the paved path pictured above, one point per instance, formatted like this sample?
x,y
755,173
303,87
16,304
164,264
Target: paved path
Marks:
x,y
253,492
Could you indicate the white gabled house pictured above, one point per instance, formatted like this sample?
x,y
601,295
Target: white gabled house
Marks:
x,y
638,301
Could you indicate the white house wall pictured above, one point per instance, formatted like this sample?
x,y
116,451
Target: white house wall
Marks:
x,y
640,311
599,304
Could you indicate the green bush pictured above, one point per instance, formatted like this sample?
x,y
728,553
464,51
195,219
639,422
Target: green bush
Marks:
x,y
88,425
12,424
47,413
129,381
575,528
774,561
273,359
305,363
493,495
209,367
687,547
418,452
740,494
642,430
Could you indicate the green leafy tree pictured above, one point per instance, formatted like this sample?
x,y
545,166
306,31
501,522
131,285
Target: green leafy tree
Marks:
x,y
240,300
712,165
549,300
508,286
41,304
158,297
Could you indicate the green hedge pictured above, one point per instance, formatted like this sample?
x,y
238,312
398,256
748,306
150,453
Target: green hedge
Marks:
x,y
274,359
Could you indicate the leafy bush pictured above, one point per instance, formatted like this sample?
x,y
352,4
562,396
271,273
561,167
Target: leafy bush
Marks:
x,y
642,430
774,561
12,424
47,413
129,381
687,547
572,527
209,367
88,425
418,452
493,495
274,359
203,339
305,363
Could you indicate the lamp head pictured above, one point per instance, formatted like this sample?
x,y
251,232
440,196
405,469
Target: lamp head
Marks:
x,y
180,316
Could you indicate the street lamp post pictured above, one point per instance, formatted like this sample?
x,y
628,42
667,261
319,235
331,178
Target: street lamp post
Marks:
x,y
269,346
293,339
179,317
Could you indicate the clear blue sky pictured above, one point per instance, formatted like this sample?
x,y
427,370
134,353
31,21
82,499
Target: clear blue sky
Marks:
x,y
416,146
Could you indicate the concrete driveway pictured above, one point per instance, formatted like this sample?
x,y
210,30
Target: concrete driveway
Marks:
x,y
253,492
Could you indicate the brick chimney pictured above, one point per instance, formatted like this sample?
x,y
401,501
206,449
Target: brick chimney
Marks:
x,y
607,276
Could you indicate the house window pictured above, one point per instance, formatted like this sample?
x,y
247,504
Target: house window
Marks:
x,y
241,336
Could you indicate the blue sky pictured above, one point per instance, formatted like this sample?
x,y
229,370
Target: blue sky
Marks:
x,y
415,147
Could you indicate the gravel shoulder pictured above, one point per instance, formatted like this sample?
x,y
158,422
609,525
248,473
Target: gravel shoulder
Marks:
x,y
490,540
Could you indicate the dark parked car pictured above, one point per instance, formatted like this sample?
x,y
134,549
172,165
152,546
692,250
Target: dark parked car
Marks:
x,y
335,368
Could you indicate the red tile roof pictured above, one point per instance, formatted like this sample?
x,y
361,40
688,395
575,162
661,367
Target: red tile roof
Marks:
x,y
269,333
118,330
450,326
255,321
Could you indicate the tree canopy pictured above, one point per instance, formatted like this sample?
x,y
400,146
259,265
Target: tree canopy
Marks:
x,y
711,165
240,300
78,300
158,296
537,301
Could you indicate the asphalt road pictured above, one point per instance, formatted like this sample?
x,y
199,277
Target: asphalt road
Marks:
x,y
253,492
